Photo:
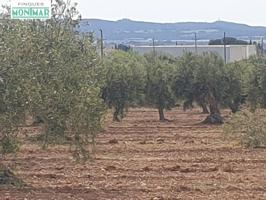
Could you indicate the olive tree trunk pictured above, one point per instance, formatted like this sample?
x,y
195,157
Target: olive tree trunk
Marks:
x,y
161,114
115,115
203,104
204,108
215,114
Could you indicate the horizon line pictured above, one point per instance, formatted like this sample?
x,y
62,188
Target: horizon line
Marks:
x,y
156,22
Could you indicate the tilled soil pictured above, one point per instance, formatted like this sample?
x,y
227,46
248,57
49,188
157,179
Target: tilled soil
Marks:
x,y
142,158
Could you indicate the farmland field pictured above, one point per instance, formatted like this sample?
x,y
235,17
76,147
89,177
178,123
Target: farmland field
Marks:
x,y
142,158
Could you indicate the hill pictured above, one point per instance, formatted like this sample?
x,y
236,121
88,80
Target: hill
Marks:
x,y
126,30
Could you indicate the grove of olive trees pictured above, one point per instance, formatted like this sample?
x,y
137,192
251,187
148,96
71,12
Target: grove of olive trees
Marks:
x,y
58,91
49,71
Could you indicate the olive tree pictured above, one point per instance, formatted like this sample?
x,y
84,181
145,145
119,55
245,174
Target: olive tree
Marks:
x,y
159,83
236,88
12,98
247,127
124,81
211,80
185,79
208,81
257,83
51,72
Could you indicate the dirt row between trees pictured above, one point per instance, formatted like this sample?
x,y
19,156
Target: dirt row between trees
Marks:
x,y
142,158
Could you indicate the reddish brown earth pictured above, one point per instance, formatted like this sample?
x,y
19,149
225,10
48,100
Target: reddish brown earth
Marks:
x,y
181,159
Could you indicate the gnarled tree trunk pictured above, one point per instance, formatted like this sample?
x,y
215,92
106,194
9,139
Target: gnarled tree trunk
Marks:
x,y
201,100
215,114
204,108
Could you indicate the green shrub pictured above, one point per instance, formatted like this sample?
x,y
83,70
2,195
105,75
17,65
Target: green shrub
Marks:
x,y
248,128
9,145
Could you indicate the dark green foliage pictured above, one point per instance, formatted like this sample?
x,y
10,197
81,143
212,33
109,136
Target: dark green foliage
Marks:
x,y
210,81
206,80
124,86
228,41
257,84
236,93
185,80
9,144
160,81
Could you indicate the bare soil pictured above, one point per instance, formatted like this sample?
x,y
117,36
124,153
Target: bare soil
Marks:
x,y
141,158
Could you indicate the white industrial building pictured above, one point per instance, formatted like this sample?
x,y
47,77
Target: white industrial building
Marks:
x,y
233,52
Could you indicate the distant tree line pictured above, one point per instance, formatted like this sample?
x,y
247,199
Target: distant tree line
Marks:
x,y
228,41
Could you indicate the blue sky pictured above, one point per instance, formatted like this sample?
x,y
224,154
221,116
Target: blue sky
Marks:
x,y
243,11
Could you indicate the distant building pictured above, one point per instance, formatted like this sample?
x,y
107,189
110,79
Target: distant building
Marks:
x,y
233,52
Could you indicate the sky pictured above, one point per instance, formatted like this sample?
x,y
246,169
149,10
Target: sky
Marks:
x,y
243,11
240,11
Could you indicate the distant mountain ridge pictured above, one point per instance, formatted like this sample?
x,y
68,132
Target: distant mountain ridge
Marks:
x,y
126,30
